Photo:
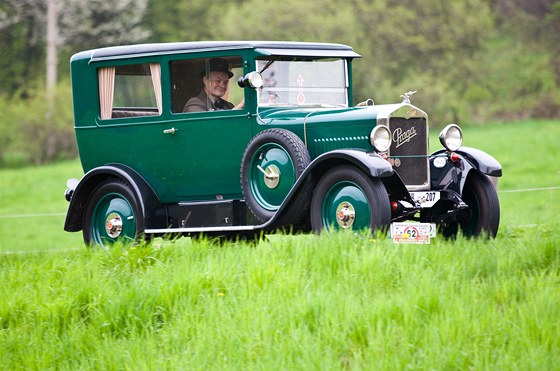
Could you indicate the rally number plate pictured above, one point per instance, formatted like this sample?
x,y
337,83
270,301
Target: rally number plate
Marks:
x,y
413,233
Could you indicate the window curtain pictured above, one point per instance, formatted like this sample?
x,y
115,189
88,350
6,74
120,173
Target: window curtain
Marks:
x,y
155,70
106,76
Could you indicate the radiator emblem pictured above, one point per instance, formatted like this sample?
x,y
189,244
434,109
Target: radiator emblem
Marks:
x,y
401,137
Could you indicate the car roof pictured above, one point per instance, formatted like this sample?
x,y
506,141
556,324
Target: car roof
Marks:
x,y
262,47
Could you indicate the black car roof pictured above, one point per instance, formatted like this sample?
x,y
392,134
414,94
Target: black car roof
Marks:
x,y
264,47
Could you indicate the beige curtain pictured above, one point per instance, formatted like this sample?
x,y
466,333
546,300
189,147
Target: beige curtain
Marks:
x,y
106,77
155,70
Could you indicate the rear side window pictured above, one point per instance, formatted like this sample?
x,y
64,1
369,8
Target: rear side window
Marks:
x,y
130,91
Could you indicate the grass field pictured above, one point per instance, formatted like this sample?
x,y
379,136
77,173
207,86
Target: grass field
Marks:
x,y
341,301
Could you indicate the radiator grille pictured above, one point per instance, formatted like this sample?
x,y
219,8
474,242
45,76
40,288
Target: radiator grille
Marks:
x,y
409,150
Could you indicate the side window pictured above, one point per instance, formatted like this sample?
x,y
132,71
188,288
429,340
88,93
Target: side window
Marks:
x,y
130,91
206,84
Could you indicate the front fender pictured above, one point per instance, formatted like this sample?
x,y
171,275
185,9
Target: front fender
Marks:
x,y
371,163
479,160
454,175
149,204
482,161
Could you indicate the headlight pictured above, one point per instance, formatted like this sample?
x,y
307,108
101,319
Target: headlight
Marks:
x,y
451,137
380,138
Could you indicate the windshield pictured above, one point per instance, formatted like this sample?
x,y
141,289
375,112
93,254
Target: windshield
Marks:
x,y
320,83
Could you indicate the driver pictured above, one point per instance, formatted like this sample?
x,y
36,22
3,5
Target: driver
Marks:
x,y
215,79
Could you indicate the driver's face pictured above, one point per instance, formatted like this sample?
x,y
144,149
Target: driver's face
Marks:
x,y
216,84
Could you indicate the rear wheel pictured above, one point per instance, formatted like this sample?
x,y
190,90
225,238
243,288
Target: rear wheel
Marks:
x,y
346,198
112,214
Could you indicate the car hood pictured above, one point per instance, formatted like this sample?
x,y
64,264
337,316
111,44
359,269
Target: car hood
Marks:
x,y
326,128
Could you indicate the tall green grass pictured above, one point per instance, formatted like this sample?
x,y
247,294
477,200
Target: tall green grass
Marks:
x,y
302,302
33,208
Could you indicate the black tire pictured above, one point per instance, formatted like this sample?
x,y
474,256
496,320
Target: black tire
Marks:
x,y
112,203
480,195
483,215
346,190
274,152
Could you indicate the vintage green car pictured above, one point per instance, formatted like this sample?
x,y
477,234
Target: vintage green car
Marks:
x,y
244,137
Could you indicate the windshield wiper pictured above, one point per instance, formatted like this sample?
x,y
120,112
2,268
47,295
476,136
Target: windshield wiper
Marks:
x,y
267,65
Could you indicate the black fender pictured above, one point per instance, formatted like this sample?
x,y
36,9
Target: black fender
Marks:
x,y
370,162
454,175
482,161
479,160
150,207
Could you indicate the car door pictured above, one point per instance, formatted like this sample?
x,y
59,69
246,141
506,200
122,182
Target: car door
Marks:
x,y
202,151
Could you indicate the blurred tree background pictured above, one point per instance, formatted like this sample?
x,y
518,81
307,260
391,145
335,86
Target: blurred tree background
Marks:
x,y
470,60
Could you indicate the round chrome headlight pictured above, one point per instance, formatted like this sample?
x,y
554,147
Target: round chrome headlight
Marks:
x,y
451,137
380,138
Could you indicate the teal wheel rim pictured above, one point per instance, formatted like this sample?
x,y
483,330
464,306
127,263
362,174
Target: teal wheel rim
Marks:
x,y
345,206
271,176
113,219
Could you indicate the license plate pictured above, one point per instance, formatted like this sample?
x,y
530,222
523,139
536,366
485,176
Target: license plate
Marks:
x,y
426,199
414,233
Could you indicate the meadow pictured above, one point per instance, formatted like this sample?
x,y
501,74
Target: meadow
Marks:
x,y
339,301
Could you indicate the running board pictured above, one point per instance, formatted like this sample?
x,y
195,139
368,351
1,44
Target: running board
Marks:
x,y
237,228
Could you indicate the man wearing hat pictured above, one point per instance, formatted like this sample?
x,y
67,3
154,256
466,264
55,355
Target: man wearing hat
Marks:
x,y
215,79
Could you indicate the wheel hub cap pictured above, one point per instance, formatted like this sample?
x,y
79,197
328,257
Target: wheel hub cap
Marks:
x,y
114,225
345,215
273,176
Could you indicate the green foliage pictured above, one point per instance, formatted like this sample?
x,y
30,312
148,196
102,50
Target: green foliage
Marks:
x,y
31,134
101,23
22,27
470,60
322,21
512,84
193,20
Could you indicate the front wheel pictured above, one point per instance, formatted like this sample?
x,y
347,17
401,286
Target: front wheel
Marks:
x,y
480,195
346,198
483,216
112,214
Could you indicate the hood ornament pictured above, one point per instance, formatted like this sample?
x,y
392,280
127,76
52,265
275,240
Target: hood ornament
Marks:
x,y
406,96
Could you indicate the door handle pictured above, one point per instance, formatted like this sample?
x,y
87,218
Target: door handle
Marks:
x,y
170,131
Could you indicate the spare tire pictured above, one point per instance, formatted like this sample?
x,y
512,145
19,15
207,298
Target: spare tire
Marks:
x,y
273,160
